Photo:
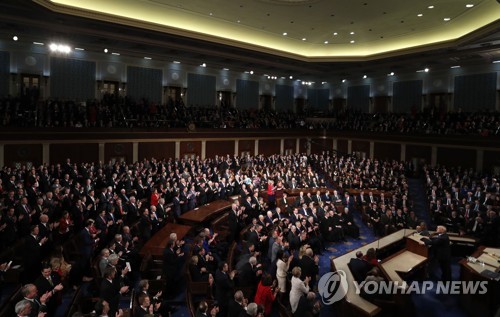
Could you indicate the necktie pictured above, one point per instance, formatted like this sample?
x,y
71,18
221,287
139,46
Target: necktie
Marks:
x,y
50,281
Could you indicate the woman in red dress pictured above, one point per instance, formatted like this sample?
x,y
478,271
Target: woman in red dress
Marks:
x,y
266,294
155,196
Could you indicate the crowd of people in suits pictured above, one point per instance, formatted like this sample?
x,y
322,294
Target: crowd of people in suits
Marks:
x,y
112,209
115,111
465,201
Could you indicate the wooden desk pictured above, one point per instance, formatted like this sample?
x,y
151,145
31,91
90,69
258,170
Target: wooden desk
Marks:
x,y
354,301
480,304
205,213
312,190
416,246
158,242
401,263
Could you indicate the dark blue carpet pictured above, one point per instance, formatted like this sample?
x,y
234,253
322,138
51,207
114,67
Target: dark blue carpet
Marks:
x,y
417,194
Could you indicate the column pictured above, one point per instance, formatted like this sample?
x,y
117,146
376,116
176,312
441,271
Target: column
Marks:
x,y
282,146
236,148
434,156
297,146
101,152
349,146
2,155
135,152
479,160
256,149
403,152
45,153
177,149
203,149
334,145
372,149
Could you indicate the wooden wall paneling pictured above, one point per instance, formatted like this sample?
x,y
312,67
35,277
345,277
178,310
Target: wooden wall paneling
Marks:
x,y
321,145
361,147
190,148
77,152
491,161
342,146
246,146
220,148
158,150
23,153
456,157
269,147
118,151
387,151
419,152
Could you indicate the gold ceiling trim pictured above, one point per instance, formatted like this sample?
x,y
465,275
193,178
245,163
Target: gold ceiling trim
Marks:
x,y
142,24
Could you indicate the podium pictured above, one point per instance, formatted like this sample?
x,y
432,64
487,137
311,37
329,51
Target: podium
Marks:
x,y
415,245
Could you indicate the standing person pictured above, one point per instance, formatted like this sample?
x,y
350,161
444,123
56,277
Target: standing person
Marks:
x,y
441,251
271,194
299,287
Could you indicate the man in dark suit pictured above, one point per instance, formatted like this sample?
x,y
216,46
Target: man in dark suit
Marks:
x,y
49,282
309,266
233,222
32,254
110,290
38,304
171,260
359,267
305,307
237,306
441,251
225,287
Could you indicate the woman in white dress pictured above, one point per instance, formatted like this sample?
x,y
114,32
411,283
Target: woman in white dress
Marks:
x,y
282,266
299,287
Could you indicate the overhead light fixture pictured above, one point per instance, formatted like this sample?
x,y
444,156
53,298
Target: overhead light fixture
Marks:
x,y
335,33
430,7
352,33
326,42
114,53
177,62
79,49
303,39
470,5
40,43
203,65
146,57
225,68
447,19
456,66
352,41
323,82
105,50
251,72
343,80
211,14
285,34
420,15
291,77
59,48
390,74
426,70
238,21
364,76
496,62
15,38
